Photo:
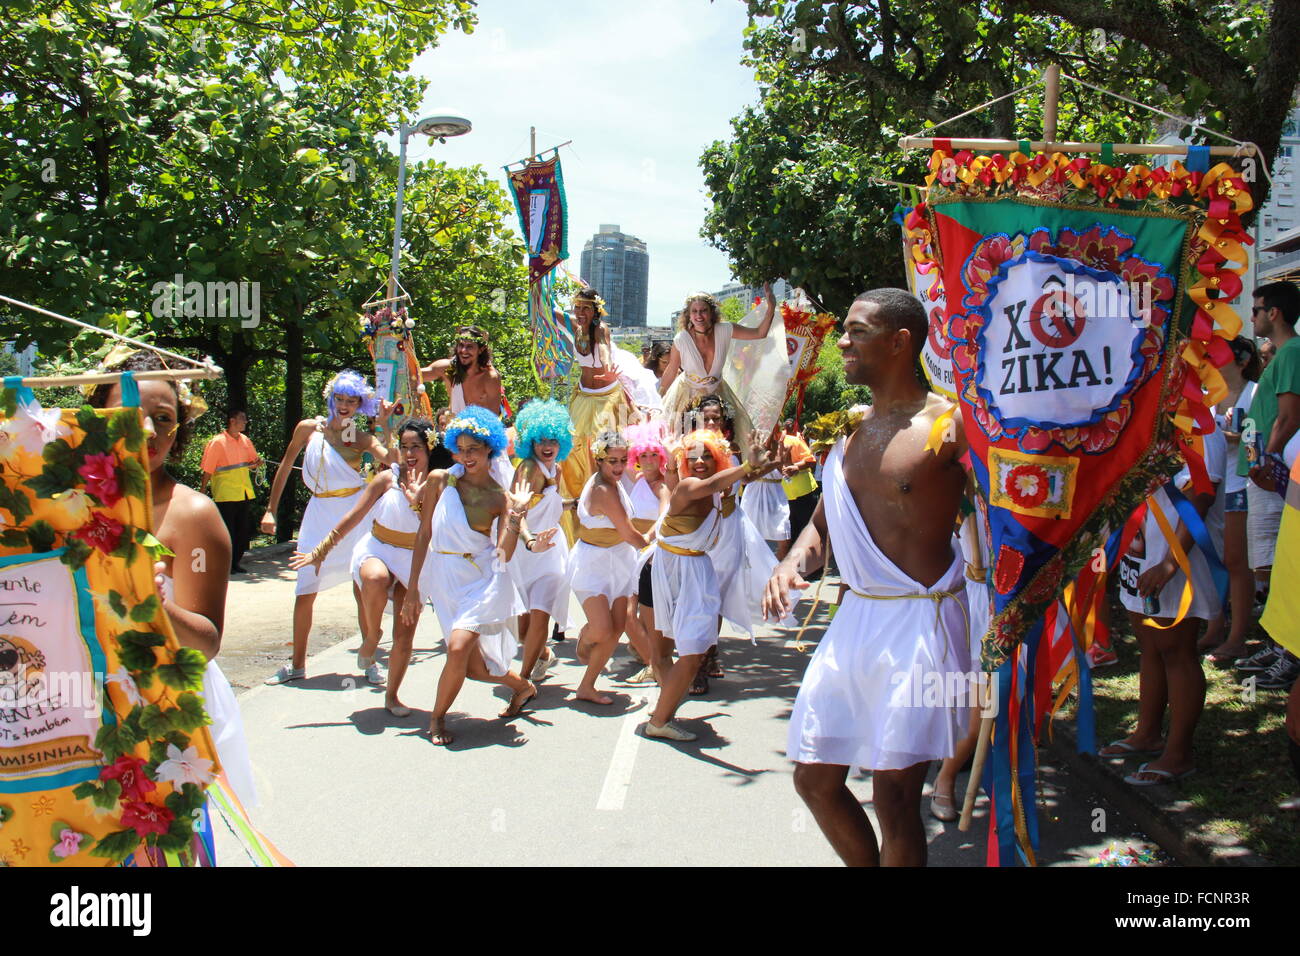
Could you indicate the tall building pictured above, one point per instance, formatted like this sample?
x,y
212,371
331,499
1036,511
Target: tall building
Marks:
x,y
748,293
1278,247
618,267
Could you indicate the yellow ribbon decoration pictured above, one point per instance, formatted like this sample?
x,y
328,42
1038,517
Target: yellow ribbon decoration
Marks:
x,y
1180,557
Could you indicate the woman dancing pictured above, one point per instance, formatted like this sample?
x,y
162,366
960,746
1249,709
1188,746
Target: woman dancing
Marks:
x,y
698,356
649,497
331,466
603,564
686,589
381,560
193,592
544,439
472,593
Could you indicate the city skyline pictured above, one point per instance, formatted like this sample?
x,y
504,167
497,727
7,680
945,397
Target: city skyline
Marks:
x,y
617,264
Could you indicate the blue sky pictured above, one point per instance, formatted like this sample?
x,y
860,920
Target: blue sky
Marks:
x,y
640,88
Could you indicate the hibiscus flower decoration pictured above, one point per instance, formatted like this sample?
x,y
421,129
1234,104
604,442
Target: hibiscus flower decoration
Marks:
x,y
100,475
103,533
129,772
1027,485
69,843
184,766
146,818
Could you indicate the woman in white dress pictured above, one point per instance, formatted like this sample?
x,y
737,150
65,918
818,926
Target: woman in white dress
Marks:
x,y
687,601
764,500
381,559
649,497
456,564
193,593
603,563
544,439
698,357
332,450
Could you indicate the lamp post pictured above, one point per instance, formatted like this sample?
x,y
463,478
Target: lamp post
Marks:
x,y
440,125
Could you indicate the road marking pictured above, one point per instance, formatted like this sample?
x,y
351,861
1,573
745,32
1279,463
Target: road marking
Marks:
x,y
619,775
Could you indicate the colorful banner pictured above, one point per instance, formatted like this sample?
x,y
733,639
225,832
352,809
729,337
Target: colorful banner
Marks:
x,y
104,753
538,191
804,334
387,334
936,354
1087,311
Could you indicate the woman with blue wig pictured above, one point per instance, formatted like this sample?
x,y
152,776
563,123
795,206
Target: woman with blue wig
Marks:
x,y
469,528
543,439
331,469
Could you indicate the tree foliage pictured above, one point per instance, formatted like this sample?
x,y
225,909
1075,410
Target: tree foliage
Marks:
x,y
797,189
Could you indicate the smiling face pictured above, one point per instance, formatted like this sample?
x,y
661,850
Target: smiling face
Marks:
x,y
699,317
866,344
415,453
467,352
711,418
345,406
160,407
584,311
613,464
545,450
699,461
472,453
648,462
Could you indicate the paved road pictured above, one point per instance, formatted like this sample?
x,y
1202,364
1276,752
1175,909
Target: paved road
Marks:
x,y
342,782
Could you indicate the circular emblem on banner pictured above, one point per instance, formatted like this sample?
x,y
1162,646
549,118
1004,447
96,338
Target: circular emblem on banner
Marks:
x,y
1057,318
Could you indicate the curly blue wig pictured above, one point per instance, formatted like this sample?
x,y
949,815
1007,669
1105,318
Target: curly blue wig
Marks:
x,y
539,420
479,424
350,382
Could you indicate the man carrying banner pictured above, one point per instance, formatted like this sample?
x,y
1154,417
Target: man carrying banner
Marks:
x,y
892,488
469,374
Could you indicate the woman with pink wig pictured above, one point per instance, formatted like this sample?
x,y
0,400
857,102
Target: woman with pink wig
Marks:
x,y
649,496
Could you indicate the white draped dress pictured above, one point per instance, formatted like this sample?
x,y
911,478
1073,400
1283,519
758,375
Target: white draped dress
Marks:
x,y
470,589
687,602
743,563
694,382
767,507
599,564
888,685
543,577
335,487
391,537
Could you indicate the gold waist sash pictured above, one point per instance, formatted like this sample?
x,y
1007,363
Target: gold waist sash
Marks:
x,y
398,539
643,524
599,537
674,549
339,493
678,525
728,505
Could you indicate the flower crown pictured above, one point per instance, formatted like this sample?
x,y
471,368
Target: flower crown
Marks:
x,y
470,427
601,445
478,338
595,300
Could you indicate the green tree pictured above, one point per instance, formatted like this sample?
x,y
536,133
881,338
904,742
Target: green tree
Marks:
x,y
796,190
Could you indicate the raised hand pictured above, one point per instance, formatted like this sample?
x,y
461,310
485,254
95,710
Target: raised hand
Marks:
x,y
518,497
301,560
760,454
776,597
545,540
414,491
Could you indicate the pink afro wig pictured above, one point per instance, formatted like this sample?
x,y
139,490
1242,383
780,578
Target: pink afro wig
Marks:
x,y
646,439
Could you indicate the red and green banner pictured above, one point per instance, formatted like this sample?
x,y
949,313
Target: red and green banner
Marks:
x,y
538,191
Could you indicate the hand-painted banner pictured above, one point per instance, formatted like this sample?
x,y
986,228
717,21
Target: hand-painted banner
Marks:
x,y
538,191
387,333
936,354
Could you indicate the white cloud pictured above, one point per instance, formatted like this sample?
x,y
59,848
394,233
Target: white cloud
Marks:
x,y
640,88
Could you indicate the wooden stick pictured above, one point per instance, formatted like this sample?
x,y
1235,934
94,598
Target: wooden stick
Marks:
x,y
976,772
377,302
537,156
105,378
1004,145
1052,95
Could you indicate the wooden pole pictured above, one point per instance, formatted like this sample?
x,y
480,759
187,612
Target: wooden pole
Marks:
x,y
976,772
1052,81
1010,145
105,378
532,142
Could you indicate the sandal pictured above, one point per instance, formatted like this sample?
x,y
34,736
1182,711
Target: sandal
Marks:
x,y
1162,776
1126,749
700,685
712,663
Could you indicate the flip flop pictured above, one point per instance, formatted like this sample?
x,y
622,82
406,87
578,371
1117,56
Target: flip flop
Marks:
x,y
1126,749
1165,776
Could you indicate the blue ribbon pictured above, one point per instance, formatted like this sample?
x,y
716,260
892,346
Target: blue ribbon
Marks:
x,y
130,391
15,382
1192,519
1198,159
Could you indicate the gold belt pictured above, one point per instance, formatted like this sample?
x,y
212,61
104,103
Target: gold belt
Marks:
x,y
467,555
772,481
938,597
340,493
398,539
599,537
728,505
674,549
643,524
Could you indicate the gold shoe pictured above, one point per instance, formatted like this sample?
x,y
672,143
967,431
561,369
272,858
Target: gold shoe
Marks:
x,y
645,675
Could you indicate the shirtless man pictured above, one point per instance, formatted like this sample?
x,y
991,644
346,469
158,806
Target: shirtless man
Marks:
x,y
890,506
469,375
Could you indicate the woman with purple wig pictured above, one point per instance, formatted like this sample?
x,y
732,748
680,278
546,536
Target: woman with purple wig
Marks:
x,y
331,470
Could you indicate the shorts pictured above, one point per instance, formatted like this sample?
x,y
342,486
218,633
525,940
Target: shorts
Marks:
x,y
1235,500
1263,520
645,593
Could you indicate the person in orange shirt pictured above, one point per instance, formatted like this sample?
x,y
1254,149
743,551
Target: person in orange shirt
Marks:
x,y
226,463
797,463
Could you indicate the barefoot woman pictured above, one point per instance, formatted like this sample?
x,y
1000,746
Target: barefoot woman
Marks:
x,y
381,560
473,595
602,565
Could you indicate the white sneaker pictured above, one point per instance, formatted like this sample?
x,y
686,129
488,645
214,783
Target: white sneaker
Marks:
x,y
375,674
543,665
668,731
287,673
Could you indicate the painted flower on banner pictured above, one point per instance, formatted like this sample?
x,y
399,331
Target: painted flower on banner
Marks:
x,y
127,683
1101,247
146,818
986,259
129,772
71,509
31,429
184,766
67,842
103,533
99,472
1027,485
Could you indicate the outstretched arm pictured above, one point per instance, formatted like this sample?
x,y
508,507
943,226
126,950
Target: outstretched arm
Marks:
x,y
373,492
433,489
671,371
743,333
300,435
435,370
605,501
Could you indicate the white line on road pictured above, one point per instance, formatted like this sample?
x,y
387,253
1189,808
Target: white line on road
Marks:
x,y
619,775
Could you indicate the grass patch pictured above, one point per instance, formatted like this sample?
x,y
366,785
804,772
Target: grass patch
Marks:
x,y
1242,767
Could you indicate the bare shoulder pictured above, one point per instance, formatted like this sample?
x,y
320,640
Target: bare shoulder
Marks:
x,y
193,515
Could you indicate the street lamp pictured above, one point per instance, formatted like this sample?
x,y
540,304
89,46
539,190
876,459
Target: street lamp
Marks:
x,y
440,125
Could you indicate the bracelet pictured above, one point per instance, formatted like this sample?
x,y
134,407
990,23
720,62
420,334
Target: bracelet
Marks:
x,y
749,468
